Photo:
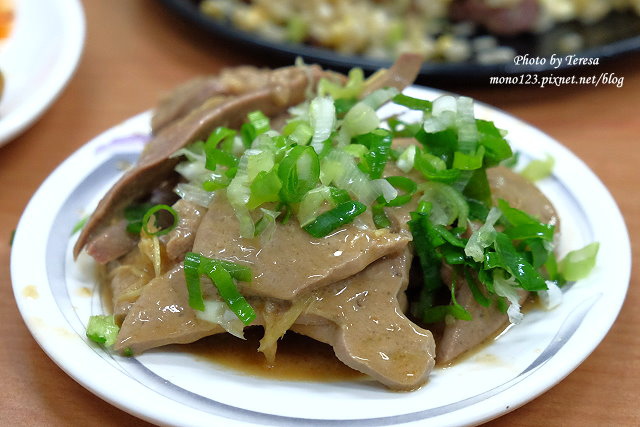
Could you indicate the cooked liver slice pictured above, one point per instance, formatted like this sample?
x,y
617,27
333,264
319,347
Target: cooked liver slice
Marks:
x,y
292,262
162,316
180,240
461,336
190,95
366,327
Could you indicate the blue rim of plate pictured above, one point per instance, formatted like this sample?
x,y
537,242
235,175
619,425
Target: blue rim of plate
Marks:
x,y
616,35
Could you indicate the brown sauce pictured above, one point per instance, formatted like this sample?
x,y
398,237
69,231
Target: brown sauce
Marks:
x,y
299,358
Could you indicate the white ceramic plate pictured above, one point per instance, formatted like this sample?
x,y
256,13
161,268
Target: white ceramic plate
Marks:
x,y
38,59
57,296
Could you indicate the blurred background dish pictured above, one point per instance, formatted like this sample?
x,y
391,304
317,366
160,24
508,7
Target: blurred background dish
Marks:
x,y
37,58
481,42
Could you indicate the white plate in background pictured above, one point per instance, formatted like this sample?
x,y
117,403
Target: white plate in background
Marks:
x,y
56,297
37,60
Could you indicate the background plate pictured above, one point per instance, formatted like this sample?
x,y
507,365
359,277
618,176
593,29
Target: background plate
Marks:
x,y
38,59
616,35
56,296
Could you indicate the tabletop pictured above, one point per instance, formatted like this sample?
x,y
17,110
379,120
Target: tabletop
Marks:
x,y
137,50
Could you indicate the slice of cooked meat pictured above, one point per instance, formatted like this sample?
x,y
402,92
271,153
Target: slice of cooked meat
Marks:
x,y
460,336
162,316
180,240
111,242
401,74
521,194
127,277
190,95
292,262
367,328
287,87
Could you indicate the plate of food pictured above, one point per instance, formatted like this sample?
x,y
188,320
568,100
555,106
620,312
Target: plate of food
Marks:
x,y
461,39
55,29
390,233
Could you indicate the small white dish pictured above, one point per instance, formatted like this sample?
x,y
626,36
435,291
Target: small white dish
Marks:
x,y
37,60
56,297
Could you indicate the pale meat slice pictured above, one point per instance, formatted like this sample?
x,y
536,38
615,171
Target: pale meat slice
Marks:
x,y
460,335
127,277
190,95
180,240
292,262
362,319
162,316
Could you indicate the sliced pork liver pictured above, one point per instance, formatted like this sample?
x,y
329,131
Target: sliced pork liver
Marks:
x,y
460,335
366,326
190,95
162,316
180,240
292,262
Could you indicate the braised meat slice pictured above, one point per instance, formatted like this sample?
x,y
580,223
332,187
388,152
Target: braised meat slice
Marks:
x,y
292,262
365,325
460,336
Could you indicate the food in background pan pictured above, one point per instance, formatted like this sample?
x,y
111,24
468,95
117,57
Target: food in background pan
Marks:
x,y
439,30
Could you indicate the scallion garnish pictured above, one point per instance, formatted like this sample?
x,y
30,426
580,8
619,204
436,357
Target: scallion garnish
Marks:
x,y
151,212
299,172
221,274
538,169
329,221
102,329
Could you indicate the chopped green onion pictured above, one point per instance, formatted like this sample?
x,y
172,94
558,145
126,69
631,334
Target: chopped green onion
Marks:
x,y
264,188
465,161
378,142
192,277
259,121
79,225
134,214
227,290
329,221
343,105
102,329
221,274
380,218
322,118
497,148
220,135
298,132
412,103
405,184
351,89
517,265
248,134
439,312
152,211
538,169
299,172
448,204
217,157
360,119
578,264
